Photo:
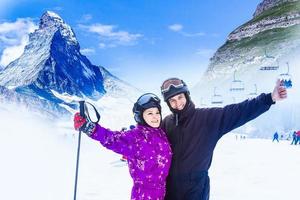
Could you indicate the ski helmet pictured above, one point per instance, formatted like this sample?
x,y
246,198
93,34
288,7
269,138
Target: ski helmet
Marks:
x,y
144,102
172,87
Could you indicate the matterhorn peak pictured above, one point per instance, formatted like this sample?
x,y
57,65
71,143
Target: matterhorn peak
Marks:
x,y
50,18
51,22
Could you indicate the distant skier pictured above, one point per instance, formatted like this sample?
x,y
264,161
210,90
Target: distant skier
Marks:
x,y
194,133
294,138
146,147
275,137
281,137
297,137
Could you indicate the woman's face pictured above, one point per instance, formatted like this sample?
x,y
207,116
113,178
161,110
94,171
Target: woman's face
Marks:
x,y
152,117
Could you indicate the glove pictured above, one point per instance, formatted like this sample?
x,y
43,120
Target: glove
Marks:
x,y
84,125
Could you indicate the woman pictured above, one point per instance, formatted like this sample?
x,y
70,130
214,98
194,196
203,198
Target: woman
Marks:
x,y
146,147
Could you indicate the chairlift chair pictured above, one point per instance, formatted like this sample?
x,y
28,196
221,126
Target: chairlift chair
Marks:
x,y
286,78
216,99
270,67
236,85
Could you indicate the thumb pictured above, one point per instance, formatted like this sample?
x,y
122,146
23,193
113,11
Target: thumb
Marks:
x,y
278,83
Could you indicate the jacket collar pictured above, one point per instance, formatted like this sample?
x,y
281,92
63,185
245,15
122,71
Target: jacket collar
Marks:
x,y
183,115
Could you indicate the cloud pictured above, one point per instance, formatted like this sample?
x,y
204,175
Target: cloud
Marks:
x,y
175,27
87,51
179,28
102,45
58,8
192,34
110,36
13,38
87,17
84,19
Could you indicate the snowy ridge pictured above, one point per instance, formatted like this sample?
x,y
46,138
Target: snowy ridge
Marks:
x,y
116,87
51,20
270,15
37,105
53,69
268,4
25,69
252,29
52,60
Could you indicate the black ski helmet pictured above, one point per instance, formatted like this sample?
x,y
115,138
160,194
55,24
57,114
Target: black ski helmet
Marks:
x,y
172,87
144,102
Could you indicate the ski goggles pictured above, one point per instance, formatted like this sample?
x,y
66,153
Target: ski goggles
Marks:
x,y
175,82
148,97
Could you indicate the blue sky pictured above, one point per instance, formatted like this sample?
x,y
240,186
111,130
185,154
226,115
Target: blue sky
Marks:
x,y
141,42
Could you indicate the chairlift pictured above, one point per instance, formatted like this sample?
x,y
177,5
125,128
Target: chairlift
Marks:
x,y
216,99
236,85
270,67
254,93
286,78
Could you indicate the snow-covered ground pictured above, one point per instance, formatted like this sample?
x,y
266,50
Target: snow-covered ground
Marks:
x,y
255,169
38,162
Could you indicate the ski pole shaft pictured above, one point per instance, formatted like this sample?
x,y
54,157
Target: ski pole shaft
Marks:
x,y
81,108
77,165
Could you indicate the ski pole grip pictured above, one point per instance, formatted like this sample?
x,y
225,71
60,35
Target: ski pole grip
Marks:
x,y
81,108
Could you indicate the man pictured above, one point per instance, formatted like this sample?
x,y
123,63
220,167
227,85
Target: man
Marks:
x,y
294,138
194,133
275,137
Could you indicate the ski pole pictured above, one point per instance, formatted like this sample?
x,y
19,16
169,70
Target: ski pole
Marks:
x,y
81,108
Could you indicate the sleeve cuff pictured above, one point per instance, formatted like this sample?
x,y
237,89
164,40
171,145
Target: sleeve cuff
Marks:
x,y
269,99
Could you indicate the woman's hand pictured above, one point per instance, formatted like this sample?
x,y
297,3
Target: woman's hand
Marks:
x,y
82,124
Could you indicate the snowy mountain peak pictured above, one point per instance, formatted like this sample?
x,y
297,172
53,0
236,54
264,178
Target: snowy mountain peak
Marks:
x,y
52,69
268,4
51,22
52,61
50,18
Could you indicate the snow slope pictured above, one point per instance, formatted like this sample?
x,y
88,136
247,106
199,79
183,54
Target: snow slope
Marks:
x,y
38,162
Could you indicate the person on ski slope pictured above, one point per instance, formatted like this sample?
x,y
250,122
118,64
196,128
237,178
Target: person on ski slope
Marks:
x,y
294,138
146,147
297,137
275,137
194,132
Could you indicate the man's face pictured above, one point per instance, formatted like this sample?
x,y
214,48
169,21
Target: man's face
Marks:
x,y
178,101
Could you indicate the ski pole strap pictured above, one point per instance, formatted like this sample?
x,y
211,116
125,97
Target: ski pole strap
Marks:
x,y
86,112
